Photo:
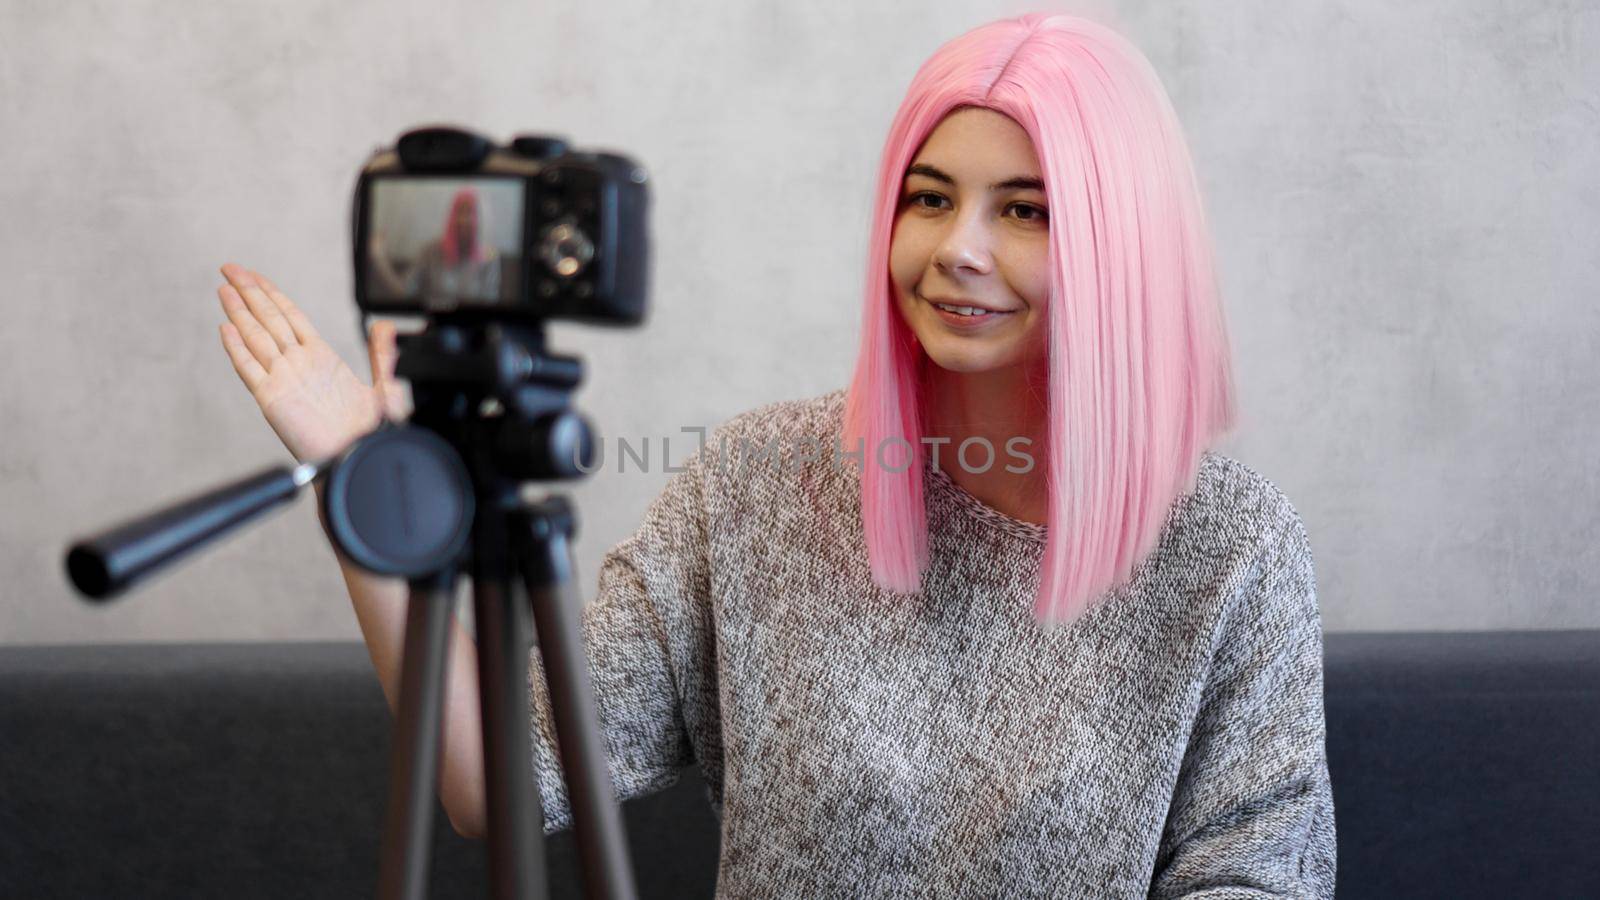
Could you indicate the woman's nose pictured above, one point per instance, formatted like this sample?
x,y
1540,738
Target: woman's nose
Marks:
x,y
965,246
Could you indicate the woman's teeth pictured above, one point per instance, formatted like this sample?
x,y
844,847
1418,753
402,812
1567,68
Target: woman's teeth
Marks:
x,y
962,310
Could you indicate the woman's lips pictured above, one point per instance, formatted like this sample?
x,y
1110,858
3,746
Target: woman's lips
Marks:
x,y
957,320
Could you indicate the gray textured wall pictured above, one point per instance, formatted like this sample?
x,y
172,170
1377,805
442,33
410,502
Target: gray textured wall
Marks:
x,y
1403,197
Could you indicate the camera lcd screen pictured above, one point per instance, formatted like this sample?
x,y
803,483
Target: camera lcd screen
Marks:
x,y
440,242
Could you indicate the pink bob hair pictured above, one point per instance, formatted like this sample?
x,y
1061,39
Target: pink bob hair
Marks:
x,y
451,239
1140,381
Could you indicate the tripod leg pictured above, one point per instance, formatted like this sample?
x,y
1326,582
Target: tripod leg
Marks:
x,y
545,555
516,820
414,750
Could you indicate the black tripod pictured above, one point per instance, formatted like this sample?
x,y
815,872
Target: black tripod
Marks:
x,y
491,413
421,501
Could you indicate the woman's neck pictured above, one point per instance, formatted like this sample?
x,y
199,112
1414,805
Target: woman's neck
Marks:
x,y
996,406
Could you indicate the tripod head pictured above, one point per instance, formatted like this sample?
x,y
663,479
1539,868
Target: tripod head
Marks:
x,y
492,411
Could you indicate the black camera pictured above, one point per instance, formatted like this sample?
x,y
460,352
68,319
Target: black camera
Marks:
x,y
448,222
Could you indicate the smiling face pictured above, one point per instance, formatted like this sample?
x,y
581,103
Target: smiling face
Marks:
x,y
969,258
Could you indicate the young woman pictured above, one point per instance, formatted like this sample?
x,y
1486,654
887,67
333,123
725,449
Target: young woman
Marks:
x,y
1083,662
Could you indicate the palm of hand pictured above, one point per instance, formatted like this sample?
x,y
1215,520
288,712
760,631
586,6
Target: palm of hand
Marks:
x,y
315,403
312,400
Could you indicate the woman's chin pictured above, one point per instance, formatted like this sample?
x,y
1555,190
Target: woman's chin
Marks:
x,y
966,360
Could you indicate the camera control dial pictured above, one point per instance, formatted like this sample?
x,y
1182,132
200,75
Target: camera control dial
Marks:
x,y
566,249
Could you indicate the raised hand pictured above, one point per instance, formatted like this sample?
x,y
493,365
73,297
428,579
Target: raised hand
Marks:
x,y
309,396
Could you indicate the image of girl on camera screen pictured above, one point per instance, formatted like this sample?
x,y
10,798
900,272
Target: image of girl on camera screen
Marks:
x,y
463,261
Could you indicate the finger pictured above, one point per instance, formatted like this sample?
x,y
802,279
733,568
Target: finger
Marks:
x,y
260,344
265,311
249,370
382,351
303,329
397,401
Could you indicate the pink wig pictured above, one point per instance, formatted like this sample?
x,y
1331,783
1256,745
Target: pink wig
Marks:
x,y
1140,380
450,237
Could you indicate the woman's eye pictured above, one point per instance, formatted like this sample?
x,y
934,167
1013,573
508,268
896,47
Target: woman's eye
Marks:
x,y
916,200
1034,213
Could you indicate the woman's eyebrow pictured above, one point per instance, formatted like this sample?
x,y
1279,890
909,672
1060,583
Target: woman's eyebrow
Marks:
x,y
1019,182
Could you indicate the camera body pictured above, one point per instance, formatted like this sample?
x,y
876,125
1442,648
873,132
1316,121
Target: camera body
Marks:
x,y
447,222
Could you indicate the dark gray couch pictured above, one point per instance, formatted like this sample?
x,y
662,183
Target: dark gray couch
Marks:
x,y
1464,765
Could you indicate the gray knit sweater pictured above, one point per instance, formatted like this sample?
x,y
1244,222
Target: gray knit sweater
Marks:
x,y
859,743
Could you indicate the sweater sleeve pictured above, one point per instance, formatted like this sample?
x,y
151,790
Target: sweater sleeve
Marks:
x,y
648,639
1252,811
